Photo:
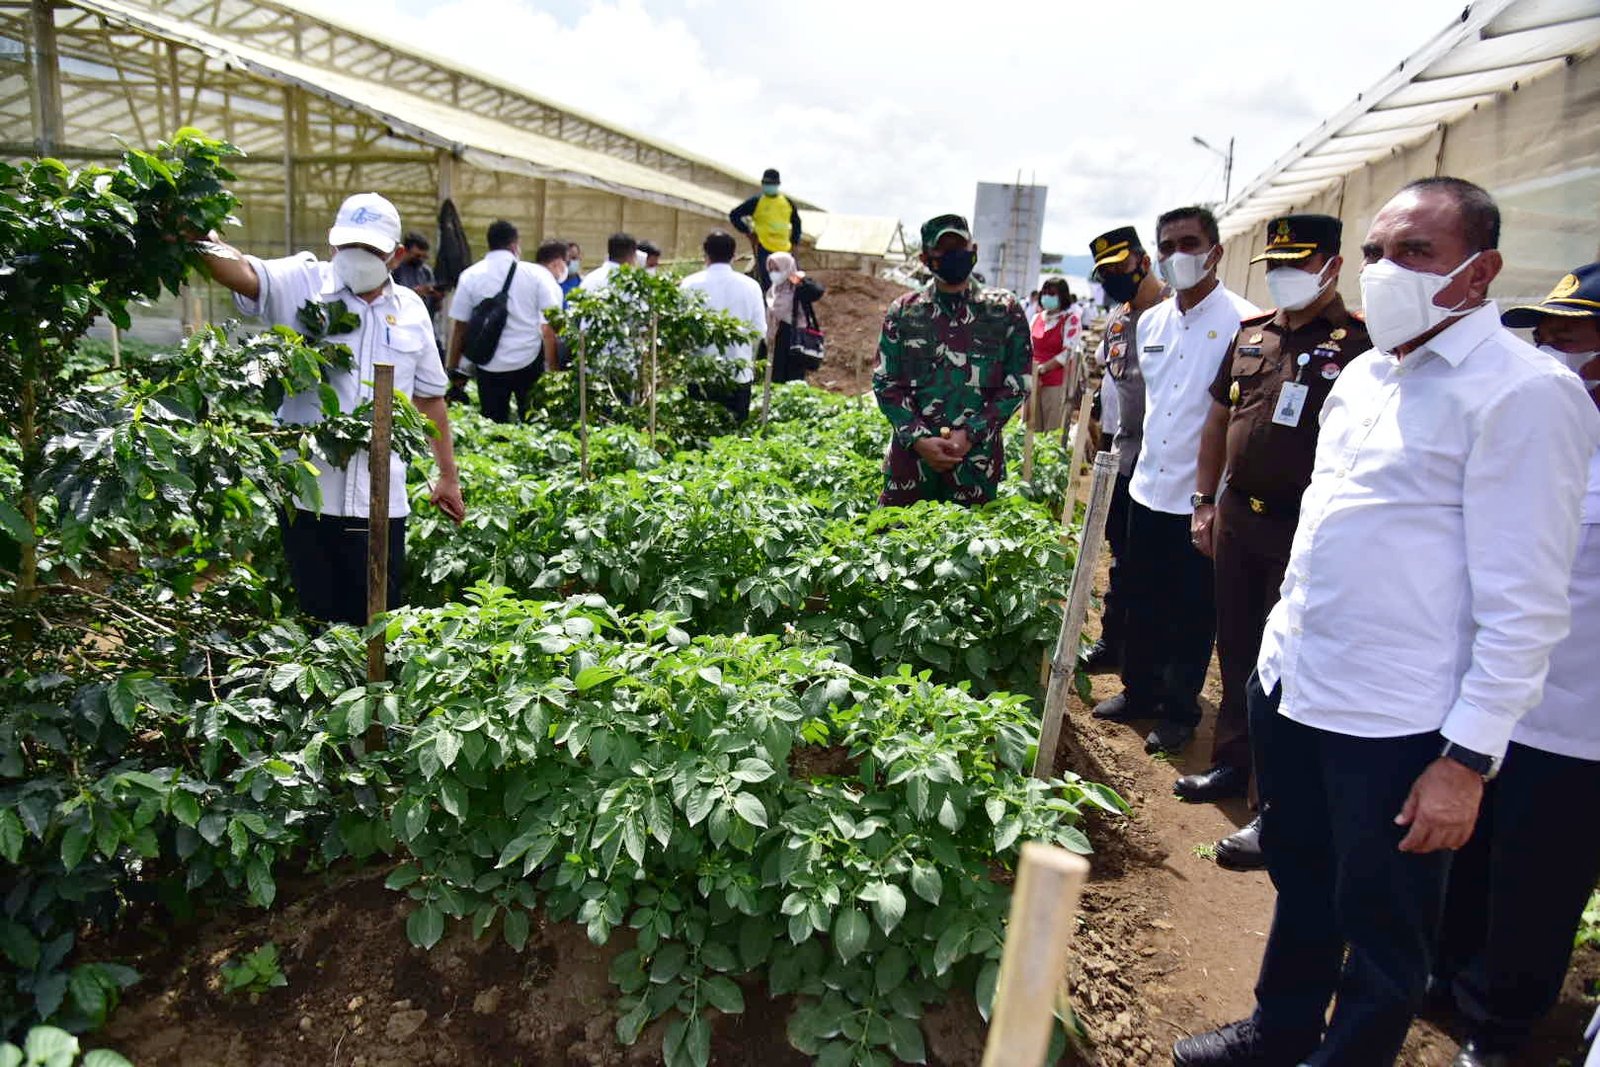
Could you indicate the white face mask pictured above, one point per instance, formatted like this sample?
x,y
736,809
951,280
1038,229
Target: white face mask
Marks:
x,y
1398,303
574,265
1184,270
1294,289
1575,362
361,270
777,276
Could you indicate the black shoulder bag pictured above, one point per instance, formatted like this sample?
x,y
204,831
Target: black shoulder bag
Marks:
x,y
487,323
807,346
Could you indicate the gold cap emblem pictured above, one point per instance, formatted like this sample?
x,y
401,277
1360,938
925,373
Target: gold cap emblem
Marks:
x,y
1100,244
1564,288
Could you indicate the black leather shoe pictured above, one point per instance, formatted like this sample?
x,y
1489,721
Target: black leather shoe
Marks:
x,y
1240,1044
1120,709
1169,736
1476,1054
1241,850
1218,783
1102,659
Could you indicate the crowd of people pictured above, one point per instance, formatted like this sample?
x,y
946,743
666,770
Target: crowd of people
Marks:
x,y
1388,525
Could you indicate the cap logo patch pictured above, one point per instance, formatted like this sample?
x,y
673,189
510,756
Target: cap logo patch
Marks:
x,y
1100,246
365,215
1564,288
1283,228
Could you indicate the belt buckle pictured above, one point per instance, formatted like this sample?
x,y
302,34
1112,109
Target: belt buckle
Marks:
x,y
1258,505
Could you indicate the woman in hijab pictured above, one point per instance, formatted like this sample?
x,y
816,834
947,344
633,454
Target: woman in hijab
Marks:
x,y
789,298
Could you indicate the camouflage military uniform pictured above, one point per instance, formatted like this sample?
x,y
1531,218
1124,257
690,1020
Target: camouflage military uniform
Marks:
x,y
958,360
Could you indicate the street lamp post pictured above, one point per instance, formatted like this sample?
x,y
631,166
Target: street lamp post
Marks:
x,y
1227,166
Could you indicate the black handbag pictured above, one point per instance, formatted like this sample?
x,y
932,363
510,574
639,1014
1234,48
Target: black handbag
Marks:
x,y
807,345
488,322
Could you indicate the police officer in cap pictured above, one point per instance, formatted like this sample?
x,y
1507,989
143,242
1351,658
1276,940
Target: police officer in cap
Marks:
x,y
1262,433
1122,267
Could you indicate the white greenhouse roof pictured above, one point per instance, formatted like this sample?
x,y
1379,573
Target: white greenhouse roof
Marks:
x,y
471,131
867,235
1492,47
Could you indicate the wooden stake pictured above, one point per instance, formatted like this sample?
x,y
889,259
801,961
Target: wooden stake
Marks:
x,y
766,390
1080,442
583,406
1065,660
655,320
1033,964
378,513
1030,416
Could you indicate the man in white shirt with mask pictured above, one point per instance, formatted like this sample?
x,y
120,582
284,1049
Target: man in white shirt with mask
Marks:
x,y
621,251
326,543
1171,621
527,344
1425,590
724,289
1519,887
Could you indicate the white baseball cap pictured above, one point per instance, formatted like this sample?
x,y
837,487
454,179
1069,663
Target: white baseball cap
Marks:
x,y
366,219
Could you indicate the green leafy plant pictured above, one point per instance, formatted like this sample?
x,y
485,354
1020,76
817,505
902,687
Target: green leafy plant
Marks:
x,y
47,1046
256,972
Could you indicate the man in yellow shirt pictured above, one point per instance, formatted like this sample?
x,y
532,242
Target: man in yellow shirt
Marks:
x,y
770,220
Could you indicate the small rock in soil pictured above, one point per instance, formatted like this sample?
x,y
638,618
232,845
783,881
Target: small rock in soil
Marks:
x,y
487,1002
305,1022
355,1003
402,1024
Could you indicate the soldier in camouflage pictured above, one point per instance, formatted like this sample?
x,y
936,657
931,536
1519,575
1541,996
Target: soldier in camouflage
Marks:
x,y
953,365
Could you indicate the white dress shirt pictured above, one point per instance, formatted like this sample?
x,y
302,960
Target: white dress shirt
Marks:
x,y
1179,353
1428,579
533,290
600,277
1567,720
740,296
395,328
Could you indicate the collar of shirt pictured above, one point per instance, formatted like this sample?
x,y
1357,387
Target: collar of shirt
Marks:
x,y
719,268
500,255
1218,295
1334,315
1457,341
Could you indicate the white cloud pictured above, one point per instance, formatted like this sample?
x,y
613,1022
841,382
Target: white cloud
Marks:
x,y
899,108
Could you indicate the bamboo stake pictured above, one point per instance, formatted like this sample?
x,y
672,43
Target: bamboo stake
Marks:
x,y
654,324
1065,660
1080,442
1033,964
766,389
378,513
583,406
1030,417
116,347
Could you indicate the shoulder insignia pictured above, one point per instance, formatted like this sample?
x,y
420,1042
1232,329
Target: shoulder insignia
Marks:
x,y
1259,320
1255,338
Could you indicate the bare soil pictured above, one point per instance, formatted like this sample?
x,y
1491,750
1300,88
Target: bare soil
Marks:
x,y
851,314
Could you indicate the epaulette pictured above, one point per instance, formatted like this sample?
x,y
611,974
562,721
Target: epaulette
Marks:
x,y
1259,320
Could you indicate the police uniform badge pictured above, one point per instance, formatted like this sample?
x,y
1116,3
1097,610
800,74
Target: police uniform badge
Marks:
x,y
1233,393
1339,334
1330,371
1255,338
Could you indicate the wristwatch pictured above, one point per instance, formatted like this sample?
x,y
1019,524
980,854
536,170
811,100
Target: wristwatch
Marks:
x,y
1196,499
1485,766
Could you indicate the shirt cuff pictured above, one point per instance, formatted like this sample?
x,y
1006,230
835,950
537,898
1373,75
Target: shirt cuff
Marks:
x,y
1481,731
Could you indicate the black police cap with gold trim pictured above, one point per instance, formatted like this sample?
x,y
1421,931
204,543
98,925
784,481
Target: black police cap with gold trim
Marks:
x,y
1113,246
1291,238
1576,296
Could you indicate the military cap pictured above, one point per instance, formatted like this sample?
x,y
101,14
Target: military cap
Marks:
x,y
770,176
940,225
1113,246
1576,296
1291,238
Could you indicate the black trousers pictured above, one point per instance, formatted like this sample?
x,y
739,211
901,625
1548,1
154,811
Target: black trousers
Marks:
x,y
759,271
328,564
1517,892
1328,807
1252,552
1114,620
496,390
1171,616
736,398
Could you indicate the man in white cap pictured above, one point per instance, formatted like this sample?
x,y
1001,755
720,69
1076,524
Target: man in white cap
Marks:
x,y
326,544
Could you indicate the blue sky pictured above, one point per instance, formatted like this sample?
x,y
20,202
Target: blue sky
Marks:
x,y
899,108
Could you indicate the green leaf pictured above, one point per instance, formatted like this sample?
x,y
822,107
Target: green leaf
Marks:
x,y
516,928
753,771
905,1040
87,993
75,844
102,1057
723,994
14,523
894,963
258,876
926,882
988,978
48,1046
11,836
10,1055
750,809
631,1022
888,906
669,962
425,926
850,931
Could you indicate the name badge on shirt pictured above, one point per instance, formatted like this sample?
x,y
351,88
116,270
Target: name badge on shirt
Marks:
x,y
1153,348
1291,402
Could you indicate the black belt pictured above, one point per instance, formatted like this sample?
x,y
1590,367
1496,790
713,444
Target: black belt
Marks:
x,y
1276,507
